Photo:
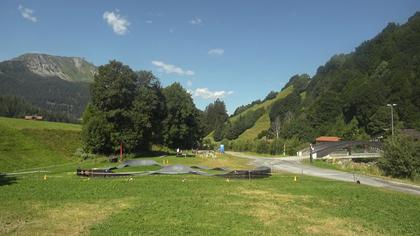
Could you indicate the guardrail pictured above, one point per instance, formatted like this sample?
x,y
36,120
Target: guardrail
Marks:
x,y
353,156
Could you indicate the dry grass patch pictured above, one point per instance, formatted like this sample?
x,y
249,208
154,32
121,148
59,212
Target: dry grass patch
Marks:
x,y
295,212
68,219
336,226
266,195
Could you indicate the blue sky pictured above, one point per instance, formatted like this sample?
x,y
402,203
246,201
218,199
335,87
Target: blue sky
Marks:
x,y
237,50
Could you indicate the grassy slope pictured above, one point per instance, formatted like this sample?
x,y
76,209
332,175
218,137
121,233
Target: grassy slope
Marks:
x,y
189,204
265,104
20,124
29,144
263,123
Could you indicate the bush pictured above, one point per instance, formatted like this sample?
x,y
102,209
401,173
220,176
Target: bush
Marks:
x,y
276,147
292,146
262,146
96,135
84,155
401,157
273,147
208,144
262,134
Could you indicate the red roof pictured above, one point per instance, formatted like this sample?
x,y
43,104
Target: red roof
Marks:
x,y
327,139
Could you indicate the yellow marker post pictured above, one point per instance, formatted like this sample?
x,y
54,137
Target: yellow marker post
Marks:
x,y
295,178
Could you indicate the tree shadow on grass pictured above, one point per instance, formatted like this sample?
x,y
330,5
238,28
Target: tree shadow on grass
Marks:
x,y
7,179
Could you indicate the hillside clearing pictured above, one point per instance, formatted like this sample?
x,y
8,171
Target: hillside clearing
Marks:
x,y
266,105
263,123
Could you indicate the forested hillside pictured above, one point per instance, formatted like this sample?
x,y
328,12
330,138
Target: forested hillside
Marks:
x,y
54,84
348,95
16,107
248,121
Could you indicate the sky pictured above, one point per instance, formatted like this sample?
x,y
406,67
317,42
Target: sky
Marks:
x,y
237,51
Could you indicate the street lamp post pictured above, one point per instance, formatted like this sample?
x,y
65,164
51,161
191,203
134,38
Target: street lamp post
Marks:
x,y
392,117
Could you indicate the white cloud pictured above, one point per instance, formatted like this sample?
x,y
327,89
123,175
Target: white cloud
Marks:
x,y
189,83
207,94
216,51
118,23
27,13
196,21
172,69
149,21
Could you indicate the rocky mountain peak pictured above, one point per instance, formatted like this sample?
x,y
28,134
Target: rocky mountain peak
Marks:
x,y
66,68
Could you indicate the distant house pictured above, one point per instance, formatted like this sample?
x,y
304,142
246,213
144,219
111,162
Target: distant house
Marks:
x,y
327,139
34,117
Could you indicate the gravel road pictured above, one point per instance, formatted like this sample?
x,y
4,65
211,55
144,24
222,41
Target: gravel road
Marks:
x,y
294,165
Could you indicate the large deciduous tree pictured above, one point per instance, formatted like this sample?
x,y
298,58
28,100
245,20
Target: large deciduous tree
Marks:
x,y
214,116
125,108
181,127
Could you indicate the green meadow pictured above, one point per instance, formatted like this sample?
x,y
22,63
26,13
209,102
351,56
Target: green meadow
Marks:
x,y
57,202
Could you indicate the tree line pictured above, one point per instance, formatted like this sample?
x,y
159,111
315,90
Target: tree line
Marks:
x,y
133,110
17,107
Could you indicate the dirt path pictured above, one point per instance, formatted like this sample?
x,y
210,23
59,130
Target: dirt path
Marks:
x,y
294,165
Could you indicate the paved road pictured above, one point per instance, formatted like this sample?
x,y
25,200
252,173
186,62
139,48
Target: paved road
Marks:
x,y
294,165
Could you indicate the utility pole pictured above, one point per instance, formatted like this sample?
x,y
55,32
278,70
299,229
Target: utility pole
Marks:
x,y
392,117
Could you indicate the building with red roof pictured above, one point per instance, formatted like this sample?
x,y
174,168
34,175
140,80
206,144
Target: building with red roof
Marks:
x,y
325,139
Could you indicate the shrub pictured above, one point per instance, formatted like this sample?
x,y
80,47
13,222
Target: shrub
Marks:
x,y
262,146
276,147
84,155
401,157
262,134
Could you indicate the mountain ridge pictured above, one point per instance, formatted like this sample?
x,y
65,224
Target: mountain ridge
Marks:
x,y
56,84
74,69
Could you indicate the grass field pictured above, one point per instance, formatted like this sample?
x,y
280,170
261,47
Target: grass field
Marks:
x,y
65,204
